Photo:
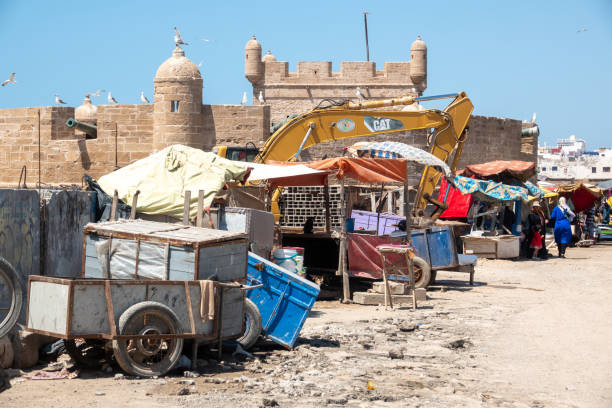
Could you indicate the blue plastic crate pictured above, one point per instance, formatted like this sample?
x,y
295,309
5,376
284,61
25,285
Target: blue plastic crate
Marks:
x,y
284,301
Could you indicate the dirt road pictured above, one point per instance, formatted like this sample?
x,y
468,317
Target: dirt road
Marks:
x,y
528,334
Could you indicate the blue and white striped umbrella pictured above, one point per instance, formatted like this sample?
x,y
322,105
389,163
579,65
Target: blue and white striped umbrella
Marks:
x,y
396,150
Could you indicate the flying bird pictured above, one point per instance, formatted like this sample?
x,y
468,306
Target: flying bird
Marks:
x,y
110,98
244,99
11,80
582,30
206,40
97,93
261,98
143,98
58,100
178,40
200,64
359,94
533,117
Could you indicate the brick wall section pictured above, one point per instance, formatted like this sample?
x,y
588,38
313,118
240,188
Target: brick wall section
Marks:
x,y
235,125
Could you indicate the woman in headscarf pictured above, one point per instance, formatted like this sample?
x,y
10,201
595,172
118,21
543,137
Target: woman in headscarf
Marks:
x,y
536,233
562,217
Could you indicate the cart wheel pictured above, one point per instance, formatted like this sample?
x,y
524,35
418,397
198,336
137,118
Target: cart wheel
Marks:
x,y
85,352
422,273
153,356
252,324
11,297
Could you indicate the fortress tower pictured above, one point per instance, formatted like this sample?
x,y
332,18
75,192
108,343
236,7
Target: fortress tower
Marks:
x,y
177,106
296,92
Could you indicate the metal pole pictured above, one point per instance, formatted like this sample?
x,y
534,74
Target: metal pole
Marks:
x,y
365,22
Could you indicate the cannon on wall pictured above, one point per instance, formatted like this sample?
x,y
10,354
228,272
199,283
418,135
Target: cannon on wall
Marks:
x,y
91,131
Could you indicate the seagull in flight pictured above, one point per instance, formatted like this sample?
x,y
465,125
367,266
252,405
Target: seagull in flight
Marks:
x,y
97,93
244,99
582,30
58,100
200,64
533,117
261,97
206,40
143,98
359,94
110,98
11,80
178,40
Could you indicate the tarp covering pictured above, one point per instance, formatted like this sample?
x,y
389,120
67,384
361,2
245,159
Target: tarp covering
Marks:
x,y
534,190
521,170
298,175
163,177
606,185
363,257
582,197
490,190
458,203
396,150
364,170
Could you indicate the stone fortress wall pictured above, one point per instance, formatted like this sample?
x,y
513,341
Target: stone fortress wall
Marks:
x,y
129,132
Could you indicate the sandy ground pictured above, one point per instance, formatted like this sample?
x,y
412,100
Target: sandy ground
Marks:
x,y
528,334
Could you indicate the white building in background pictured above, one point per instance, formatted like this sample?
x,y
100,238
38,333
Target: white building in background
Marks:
x,y
570,161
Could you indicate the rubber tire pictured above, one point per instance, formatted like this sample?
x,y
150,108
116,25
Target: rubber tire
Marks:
x,y
120,346
425,278
253,330
7,270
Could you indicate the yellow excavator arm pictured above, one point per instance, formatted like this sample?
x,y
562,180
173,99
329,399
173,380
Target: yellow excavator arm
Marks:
x,y
358,119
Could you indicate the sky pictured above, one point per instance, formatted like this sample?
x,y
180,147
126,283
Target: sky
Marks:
x,y
512,58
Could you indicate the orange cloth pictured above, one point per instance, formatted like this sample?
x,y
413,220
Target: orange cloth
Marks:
x,y
366,170
207,303
521,170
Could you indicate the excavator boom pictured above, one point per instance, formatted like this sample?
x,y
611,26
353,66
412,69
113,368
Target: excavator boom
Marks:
x,y
358,119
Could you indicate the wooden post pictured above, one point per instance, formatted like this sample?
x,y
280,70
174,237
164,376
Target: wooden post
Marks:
x,y
327,209
346,290
113,214
187,207
390,197
200,208
402,201
134,205
373,202
409,237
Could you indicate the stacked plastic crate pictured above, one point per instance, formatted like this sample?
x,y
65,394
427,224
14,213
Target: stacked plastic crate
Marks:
x,y
301,203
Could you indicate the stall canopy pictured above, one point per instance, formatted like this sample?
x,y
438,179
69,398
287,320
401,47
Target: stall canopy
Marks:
x,y
517,169
276,175
582,196
606,185
490,190
365,170
163,177
395,150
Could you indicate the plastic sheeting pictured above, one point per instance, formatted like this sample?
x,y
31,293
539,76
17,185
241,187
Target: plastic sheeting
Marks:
x,y
364,258
163,177
364,170
490,190
396,150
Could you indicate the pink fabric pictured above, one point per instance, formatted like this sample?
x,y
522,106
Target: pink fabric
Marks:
x,y
363,257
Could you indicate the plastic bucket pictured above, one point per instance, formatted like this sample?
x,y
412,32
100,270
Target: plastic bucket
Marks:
x,y
290,258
